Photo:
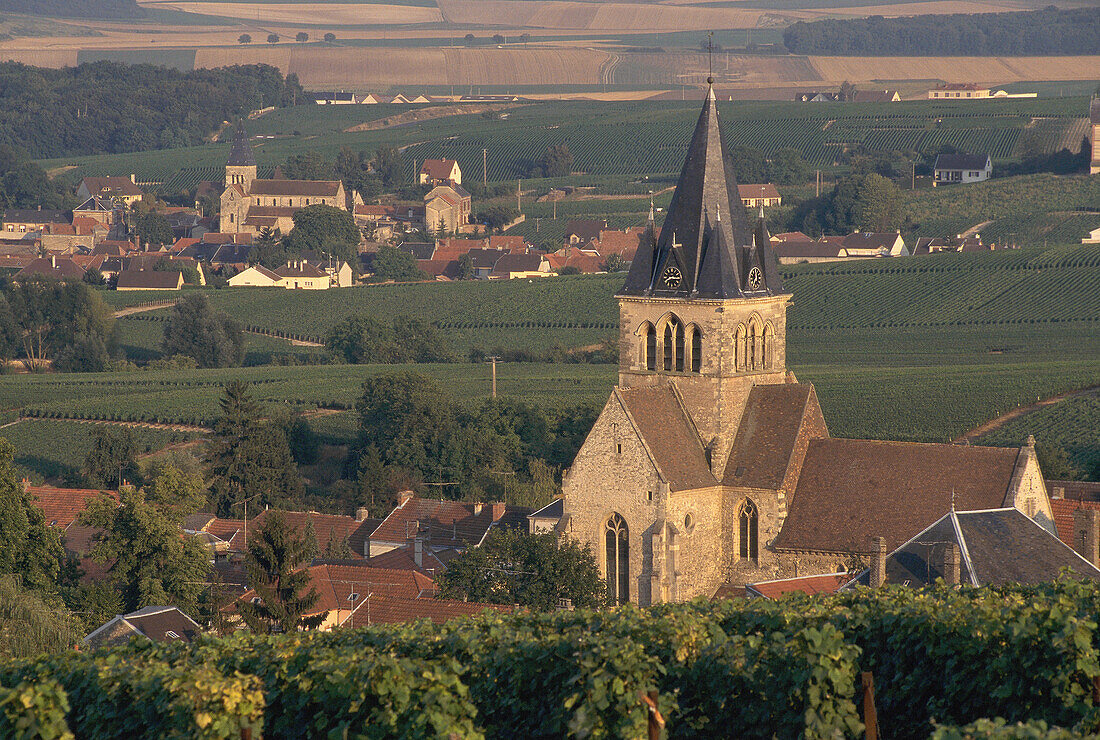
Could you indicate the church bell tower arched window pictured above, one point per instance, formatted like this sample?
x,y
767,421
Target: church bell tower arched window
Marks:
x,y
650,347
617,558
696,349
749,523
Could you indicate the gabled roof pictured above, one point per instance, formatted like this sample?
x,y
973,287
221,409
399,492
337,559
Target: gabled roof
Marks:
x,y
34,216
706,235
445,523
61,268
961,161
875,96
318,188
852,490
869,240
776,417
301,269
420,250
825,583
395,610
806,249
757,190
509,263
666,428
158,623
513,243
585,228
95,204
437,169
61,506
241,154
553,510
997,547
1063,509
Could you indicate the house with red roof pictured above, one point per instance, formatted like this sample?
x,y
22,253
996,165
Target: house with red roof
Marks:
x,y
440,172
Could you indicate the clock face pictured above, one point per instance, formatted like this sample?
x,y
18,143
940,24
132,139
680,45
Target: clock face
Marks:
x,y
756,278
671,277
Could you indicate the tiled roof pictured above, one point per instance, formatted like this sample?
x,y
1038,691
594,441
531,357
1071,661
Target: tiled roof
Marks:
x,y
791,236
63,269
1063,509
514,244
553,510
767,438
585,229
318,188
870,240
300,269
757,190
95,204
272,211
158,623
623,243
240,155
440,523
403,558
440,268
61,506
825,583
437,169
586,263
667,430
394,610
852,490
509,263
874,96
1074,489
112,185
34,216
796,249
326,527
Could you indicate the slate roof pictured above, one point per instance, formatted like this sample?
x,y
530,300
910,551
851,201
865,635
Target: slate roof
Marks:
x,y
319,188
807,250
767,436
997,547
585,229
870,240
420,250
851,490
509,263
300,269
149,279
961,161
664,425
553,510
240,155
706,234
34,216
874,96
111,185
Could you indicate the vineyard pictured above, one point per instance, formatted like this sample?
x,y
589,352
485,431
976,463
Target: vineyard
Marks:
x,y
621,138
1072,425
791,668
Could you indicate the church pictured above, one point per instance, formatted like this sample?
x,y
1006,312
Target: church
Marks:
x,y
249,204
710,465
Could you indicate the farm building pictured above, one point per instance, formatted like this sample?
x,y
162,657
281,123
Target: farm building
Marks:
x,y
440,172
333,98
962,168
761,195
876,96
124,189
149,280
447,208
958,91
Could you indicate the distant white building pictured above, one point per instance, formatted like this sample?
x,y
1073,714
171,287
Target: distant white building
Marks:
x,y
962,168
1092,238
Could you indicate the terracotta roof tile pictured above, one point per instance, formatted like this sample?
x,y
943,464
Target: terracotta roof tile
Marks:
x,y
853,490
440,523
393,610
757,190
437,169
1063,515
319,188
667,430
826,583
61,506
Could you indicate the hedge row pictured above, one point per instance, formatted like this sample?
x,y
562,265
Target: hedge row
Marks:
x,y
941,659
525,325
251,328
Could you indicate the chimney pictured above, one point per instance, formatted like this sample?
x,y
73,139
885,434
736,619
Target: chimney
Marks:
x,y
418,552
53,261
1086,534
404,497
951,564
133,178
498,510
361,514
878,562
477,508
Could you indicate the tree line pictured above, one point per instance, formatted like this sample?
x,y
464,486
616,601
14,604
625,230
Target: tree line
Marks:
x,y
93,9
107,107
1047,31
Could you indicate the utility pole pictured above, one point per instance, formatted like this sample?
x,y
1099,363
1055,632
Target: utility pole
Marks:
x,y
818,183
519,200
484,169
555,202
536,224
914,184
493,360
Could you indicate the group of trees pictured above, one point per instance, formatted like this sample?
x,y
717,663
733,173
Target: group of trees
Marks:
x,y
556,162
1046,31
194,329
500,450
368,173
362,339
162,108
784,167
23,184
867,202
69,323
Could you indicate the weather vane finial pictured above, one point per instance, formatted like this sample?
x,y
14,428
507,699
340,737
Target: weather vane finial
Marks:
x,y
710,58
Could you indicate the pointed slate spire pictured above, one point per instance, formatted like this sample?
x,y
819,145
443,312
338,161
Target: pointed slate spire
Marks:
x,y
241,154
706,235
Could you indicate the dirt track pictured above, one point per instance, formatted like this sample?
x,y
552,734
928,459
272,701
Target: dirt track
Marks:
x,y
1019,411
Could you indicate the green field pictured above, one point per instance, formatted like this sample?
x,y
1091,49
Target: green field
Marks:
x,y
631,139
1070,424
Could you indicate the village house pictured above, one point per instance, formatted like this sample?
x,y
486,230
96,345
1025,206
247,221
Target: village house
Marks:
x,y
156,623
876,96
962,168
958,91
440,172
817,97
513,266
1093,237
761,195
123,189
797,248
447,208
30,220
958,243
148,280
301,275
711,466
59,268
582,231
249,204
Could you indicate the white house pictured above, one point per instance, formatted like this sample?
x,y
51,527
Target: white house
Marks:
x,y
962,168
1092,238
256,276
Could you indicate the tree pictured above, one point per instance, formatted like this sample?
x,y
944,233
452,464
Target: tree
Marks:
x,y
558,161
389,166
112,458
268,249
244,38
498,39
176,491
273,38
879,204
749,164
787,167
392,264
615,263
469,39
275,554
496,216
330,37
405,417
301,37
29,548
153,228
194,329
152,563
321,228
86,354
533,570
360,339
29,626
48,316
308,166
466,267
249,456
847,91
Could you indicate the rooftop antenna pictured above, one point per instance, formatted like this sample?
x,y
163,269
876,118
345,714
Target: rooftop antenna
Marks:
x,y
710,58
952,498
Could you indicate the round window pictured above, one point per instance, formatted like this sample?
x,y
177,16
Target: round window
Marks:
x,y
689,523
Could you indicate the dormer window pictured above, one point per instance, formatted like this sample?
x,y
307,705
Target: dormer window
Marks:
x,y
171,635
353,596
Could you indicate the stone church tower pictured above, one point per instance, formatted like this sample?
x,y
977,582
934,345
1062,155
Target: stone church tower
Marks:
x,y
710,465
240,173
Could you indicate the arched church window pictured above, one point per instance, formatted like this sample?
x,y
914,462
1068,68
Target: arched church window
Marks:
x,y
739,348
767,347
678,330
696,349
668,347
617,557
752,358
749,522
651,347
